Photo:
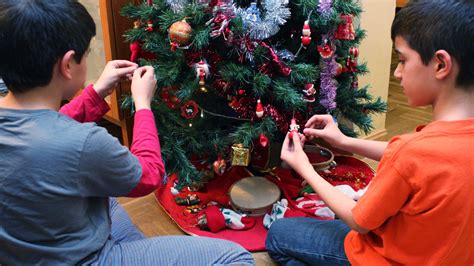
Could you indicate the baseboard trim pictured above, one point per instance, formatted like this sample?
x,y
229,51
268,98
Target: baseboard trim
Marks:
x,y
377,135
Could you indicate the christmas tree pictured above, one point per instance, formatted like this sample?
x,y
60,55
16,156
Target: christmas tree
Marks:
x,y
235,74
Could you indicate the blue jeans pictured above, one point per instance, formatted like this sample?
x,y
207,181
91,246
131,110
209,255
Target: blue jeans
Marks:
x,y
307,241
128,246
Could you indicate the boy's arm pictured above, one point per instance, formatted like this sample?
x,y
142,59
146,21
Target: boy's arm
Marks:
x,y
87,107
368,148
324,126
90,105
293,154
109,169
146,147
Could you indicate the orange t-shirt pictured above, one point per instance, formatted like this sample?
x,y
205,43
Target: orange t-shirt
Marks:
x,y
420,205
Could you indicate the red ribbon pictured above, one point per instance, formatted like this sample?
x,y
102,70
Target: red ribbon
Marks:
x,y
281,67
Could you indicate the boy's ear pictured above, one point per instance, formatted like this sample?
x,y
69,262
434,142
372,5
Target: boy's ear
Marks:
x,y
443,64
65,64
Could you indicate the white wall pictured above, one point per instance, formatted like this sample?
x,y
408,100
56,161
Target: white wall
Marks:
x,y
96,59
376,50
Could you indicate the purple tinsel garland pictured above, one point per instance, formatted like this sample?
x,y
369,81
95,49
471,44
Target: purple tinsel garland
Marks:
x,y
329,66
328,84
325,8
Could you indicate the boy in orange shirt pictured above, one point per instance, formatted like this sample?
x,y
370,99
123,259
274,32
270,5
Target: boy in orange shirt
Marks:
x,y
419,209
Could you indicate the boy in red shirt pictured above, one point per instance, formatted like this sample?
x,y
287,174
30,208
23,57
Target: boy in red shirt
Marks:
x,y
419,209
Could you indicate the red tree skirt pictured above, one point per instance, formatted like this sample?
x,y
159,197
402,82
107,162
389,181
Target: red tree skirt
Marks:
x,y
349,170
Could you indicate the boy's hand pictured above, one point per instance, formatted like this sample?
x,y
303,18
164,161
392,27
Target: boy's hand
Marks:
x,y
143,87
292,152
114,71
323,126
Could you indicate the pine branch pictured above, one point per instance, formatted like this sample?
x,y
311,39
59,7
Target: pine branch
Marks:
x,y
234,72
304,73
261,82
247,132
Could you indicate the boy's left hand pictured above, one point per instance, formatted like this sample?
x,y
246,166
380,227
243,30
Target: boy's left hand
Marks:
x,y
114,71
292,152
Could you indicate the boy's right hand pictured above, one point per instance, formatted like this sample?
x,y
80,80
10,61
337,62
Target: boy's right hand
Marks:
x,y
143,87
114,71
323,126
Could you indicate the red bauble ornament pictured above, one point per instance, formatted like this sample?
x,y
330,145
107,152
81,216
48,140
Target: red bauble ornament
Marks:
x,y
234,103
189,110
354,51
219,166
180,32
294,127
351,64
259,109
150,2
168,96
306,38
355,83
340,69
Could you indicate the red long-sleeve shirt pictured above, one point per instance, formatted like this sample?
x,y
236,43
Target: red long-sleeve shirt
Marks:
x,y
90,107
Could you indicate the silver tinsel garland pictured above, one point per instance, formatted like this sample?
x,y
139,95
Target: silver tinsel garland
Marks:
x,y
275,13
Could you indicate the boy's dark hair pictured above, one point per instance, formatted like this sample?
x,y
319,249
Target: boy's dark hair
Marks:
x,y
432,25
35,34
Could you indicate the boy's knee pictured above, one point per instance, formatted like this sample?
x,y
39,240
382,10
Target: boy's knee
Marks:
x,y
234,253
277,229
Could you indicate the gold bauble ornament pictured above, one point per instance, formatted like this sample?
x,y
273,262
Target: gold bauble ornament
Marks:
x,y
180,32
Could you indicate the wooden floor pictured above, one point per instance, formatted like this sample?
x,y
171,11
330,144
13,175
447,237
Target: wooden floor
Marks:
x,y
401,118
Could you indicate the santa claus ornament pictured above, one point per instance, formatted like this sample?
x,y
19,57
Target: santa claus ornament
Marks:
x,y
149,27
294,127
263,140
202,71
179,34
306,38
259,109
309,92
